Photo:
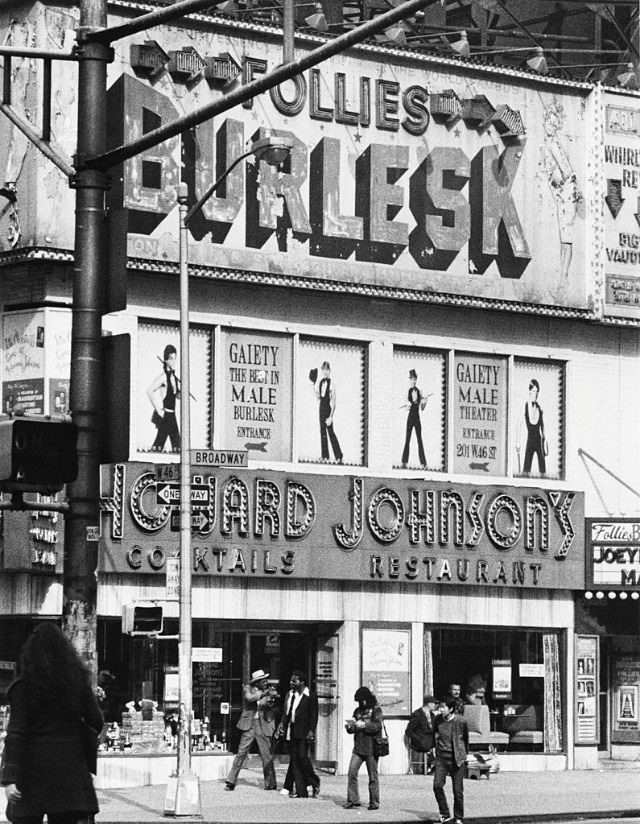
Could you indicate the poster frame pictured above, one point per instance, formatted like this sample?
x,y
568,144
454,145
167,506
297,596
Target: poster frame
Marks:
x,y
405,699
586,687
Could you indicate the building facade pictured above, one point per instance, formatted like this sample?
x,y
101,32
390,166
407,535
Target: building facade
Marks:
x,y
422,331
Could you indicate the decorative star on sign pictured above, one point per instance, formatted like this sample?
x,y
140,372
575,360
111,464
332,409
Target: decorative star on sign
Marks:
x,y
357,137
456,132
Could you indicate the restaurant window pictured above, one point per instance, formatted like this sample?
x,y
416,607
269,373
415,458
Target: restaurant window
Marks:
x,y
510,682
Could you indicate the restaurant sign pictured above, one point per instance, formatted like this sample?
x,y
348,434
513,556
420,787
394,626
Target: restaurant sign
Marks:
x,y
613,552
274,524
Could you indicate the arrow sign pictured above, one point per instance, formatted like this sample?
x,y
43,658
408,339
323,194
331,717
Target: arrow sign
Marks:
x,y
637,214
169,494
257,447
613,198
481,467
200,521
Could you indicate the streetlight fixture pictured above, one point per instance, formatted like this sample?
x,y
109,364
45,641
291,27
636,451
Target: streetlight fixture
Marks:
x,y
183,789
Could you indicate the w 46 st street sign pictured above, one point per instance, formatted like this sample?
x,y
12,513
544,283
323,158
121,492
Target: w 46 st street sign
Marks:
x,y
169,494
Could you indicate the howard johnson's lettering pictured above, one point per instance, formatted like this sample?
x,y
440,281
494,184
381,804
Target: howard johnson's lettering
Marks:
x,y
351,528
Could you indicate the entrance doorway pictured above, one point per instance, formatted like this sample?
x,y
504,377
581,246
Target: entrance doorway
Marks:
x,y
278,653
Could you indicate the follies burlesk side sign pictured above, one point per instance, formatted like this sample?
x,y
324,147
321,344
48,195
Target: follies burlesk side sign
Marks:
x,y
613,553
274,524
432,179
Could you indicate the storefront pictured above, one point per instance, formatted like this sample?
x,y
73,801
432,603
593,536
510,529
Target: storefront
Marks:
x,y
608,620
403,585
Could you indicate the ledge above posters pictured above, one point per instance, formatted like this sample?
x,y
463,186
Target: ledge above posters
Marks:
x,y
277,524
409,177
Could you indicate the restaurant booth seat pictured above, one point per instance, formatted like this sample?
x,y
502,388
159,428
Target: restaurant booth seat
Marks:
x,y
524,725
479,723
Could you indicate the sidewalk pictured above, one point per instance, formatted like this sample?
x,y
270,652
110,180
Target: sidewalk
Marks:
x,y
506,797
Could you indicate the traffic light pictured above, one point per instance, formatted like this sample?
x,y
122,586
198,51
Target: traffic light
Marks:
x,y
142,619
37,454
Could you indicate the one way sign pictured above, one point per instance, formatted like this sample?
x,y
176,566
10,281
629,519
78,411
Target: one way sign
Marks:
x,y
169,494
200,521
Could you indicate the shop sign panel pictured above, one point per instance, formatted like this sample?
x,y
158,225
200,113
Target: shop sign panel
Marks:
x,y
256,393
622,205
480,414
613,553
447,181
266,524
36,358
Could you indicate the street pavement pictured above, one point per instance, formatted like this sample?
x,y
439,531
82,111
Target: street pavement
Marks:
x,y
585,796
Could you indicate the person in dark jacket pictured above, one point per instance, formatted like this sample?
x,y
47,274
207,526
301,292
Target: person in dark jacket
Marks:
x,y
364,726
421,730
298,725
452,746
47,764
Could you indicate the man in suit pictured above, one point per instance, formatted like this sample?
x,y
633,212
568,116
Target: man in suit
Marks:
x,y
257,721
298,726
420,729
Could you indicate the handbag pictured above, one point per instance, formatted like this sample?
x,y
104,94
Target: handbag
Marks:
x,y
381,743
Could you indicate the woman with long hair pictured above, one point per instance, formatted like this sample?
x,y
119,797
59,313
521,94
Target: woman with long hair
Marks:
x,y
364,726
46,760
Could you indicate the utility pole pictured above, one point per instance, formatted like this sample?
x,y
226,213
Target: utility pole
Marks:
x,y
79,609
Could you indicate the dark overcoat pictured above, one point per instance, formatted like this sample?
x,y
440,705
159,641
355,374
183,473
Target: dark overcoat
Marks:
x,y
44,756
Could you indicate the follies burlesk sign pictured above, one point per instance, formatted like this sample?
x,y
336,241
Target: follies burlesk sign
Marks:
x,y
407,177
273,524
613,553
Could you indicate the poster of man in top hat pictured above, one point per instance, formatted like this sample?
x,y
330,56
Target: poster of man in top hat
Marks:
x,y
416,403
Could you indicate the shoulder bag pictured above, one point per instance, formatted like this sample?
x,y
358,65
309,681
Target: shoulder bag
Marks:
x,y
381,743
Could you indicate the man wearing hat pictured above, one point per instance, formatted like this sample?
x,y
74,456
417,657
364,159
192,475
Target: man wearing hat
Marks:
x,y
257,721
416,402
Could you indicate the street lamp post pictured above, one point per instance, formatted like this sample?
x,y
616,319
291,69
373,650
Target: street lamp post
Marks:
x,y
183,789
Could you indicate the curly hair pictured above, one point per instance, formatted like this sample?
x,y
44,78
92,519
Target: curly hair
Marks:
x,y
52,670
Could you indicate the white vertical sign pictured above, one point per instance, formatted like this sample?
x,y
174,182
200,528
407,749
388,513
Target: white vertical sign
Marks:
x,y
172,566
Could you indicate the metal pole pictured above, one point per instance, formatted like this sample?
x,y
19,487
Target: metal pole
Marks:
x,y
183,790
79,609
288,31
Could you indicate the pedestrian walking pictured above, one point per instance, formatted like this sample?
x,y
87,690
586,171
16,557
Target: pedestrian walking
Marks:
x,y
365,725
52,738
298,726
257,721
452,746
